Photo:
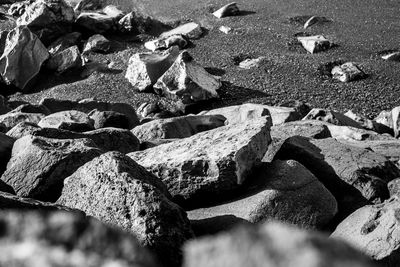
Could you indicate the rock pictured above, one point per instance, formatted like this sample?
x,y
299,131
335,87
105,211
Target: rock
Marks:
x,y
385,118
396,120
225,29
227,10
208,165
99,44
251,63
71,120
6,145
144,69
272,244
89,5
332,117
60,238
394,188
349,133
87,105
48,19
395,56
187,81
148,108
64,42
4,108
314,20
347,72
118,191
314,44
39,165
373,229
68,59
18,9
189,30
368,124
103,119
242,113
166,43
22,46
9,120
134,23
179,127
30,108
102,21
283,190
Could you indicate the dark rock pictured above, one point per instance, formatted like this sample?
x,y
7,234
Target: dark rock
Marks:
x,y
103,119
99,44
64,42
30,108
134,23
102,21
67,59
6,145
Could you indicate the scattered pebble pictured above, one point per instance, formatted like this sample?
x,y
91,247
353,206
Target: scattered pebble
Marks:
x,y
225,29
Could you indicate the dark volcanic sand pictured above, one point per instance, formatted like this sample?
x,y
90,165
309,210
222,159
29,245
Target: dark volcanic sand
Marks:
x,y
360,28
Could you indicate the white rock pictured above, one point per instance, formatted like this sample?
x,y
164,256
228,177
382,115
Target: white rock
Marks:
x,y
395,56
347,72
190,30
314,44
164,43
251,63
225,29
227,10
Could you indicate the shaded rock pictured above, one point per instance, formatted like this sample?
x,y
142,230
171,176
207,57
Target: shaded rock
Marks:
x,y
134,23
394,188
354,134
178,127
284,191
155,142
368,124
160,44
347,72
69,58
103,119
64,42
208,165
189,30
374,230
332,117
60,238
39,165
251,63
118,191
395,56
71,120
144,69
9,120
245,112
148,108
4,108
22,47
31,108
102,21
187,81
6,145
23,129
272,244
227,10
99,44
314,44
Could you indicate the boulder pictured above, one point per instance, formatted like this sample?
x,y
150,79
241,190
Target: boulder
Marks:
x,y
190,30
9,120
332,117
103,21
178,127
347,72
22,47
283,190
144,69
314,44
67,59
165,43
374,230
38,165
368,124
118,191
99,44
227,10
187,81
71,120
104,119
6,145
64,42
60,238
272,244
209,165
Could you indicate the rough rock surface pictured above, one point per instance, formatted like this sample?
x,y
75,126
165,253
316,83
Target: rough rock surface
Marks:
x,y
272,244
38,165
332,117
118,191
105,20
67,59
72,120
6,145
314,44
64,42
134,23
208,165
103,119
347,72
166,43
9,120
368,124
190,30
99,44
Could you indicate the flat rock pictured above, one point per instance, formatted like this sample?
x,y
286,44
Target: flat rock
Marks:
x,y
9,120
67,59
165,43
22,47
284,191
208,165
118,191
347,72
31,108
178,127
64,42
187,81
272,244
72,120
104,119
190,30
144,69
332,117
314,44
103,21
38,165
227,10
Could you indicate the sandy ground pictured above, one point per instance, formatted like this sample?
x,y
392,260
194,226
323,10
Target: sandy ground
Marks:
x,y
360,28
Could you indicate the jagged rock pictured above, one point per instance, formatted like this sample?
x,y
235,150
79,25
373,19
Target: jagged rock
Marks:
x,y
394,188
118,191
134,23
242,113
395,56
178,127
6,145
189,30
144,69
225,29
227,10
147,108
208,165
166,43
314,44
60,238
99,44
48,19
68,59
187,81
103,119
368,124
22,47
347,72
38,165
87,105
385,118
9,120
102,21
64,42
251,63
332,117
31,108
374,230
283,190
71,120
272,244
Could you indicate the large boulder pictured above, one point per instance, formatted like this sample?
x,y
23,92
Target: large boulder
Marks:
x,y
283,190
210,165
118,191
272,244
60,238
71,120
23,56
178,127
187,81
38,165
11,119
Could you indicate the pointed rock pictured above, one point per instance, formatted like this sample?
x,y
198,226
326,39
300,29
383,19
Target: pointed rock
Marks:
x,y
189,30
67,59
227,10
314,44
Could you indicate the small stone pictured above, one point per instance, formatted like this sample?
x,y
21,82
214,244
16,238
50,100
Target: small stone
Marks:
x,y
314,44
72,120
347,72
251,63
189,30
225,29
227,10
64,42
166,43
68,59
395,56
